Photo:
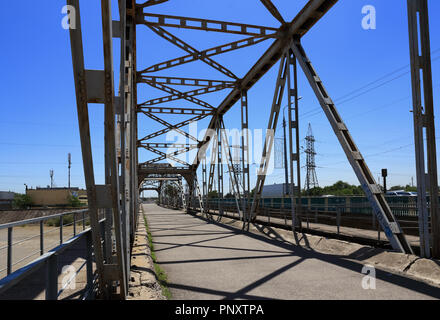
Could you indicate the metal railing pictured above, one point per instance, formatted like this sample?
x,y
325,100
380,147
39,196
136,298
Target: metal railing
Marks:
x,y
49,258
353,215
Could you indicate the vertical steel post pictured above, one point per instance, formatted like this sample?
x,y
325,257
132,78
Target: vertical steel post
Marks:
x,y
423,114
270,135
9,262
112,174
294,155
86,147
74,224
61,229
52,277
286,164
41,237
205,186
245,154
219,170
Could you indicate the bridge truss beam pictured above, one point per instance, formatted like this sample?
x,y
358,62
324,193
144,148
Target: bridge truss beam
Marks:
x,y
124,175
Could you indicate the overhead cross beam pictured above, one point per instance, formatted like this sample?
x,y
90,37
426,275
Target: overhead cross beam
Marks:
x,y
171,127
184,95
167,145
152,19
205,53
312,12
181,95
184,46
177,81
171,155
171,110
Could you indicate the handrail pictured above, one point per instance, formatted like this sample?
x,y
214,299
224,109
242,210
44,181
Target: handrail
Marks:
x,y
34,220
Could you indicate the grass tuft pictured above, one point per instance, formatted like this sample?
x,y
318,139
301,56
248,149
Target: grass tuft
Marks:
x,y
160,273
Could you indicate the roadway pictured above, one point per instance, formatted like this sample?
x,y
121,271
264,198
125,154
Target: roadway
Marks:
x,y
207,260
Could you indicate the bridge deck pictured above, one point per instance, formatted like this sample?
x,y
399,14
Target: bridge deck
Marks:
x,y
206,260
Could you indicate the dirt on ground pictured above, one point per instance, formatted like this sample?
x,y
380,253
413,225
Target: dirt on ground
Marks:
x,y
8,216
143,281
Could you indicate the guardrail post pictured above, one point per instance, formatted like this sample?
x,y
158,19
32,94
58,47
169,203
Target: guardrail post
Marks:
x,y
74,224
9,267
61,229
316,215
338,219
268,214
84,221
52,278
41,237
307,215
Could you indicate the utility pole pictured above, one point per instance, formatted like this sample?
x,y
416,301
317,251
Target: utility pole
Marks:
x,y
69,160
51,178
384,176
311,178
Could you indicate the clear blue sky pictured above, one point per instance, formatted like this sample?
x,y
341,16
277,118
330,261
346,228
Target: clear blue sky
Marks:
x,y
38,123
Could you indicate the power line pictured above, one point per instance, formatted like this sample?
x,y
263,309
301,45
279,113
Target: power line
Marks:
x,y
313,112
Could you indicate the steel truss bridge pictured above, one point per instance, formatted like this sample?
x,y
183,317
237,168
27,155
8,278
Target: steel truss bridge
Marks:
x,y
125,176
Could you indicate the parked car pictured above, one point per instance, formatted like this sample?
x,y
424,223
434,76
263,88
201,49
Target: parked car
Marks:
x,y
401,193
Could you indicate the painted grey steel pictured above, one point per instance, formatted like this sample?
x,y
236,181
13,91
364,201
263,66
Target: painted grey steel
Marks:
x,y
270,134
294,155
232,174
423,115
42,238
52,277
245,155
82,98
49,261
61,229
9,258
372,190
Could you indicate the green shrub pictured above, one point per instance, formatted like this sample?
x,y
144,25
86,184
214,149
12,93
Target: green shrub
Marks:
x,y
74,201
21,201
55,222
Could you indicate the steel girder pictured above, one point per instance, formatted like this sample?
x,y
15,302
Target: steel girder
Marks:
x,y
423,113
312,12
121,137
96,86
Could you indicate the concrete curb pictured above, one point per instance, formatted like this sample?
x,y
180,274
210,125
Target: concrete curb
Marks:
x,y
143,280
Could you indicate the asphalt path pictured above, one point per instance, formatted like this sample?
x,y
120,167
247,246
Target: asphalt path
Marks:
x,y
208,260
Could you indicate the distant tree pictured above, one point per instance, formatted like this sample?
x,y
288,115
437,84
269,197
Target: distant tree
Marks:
x,y
340,188
405,188
213,194
229,196
21,201
410,188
